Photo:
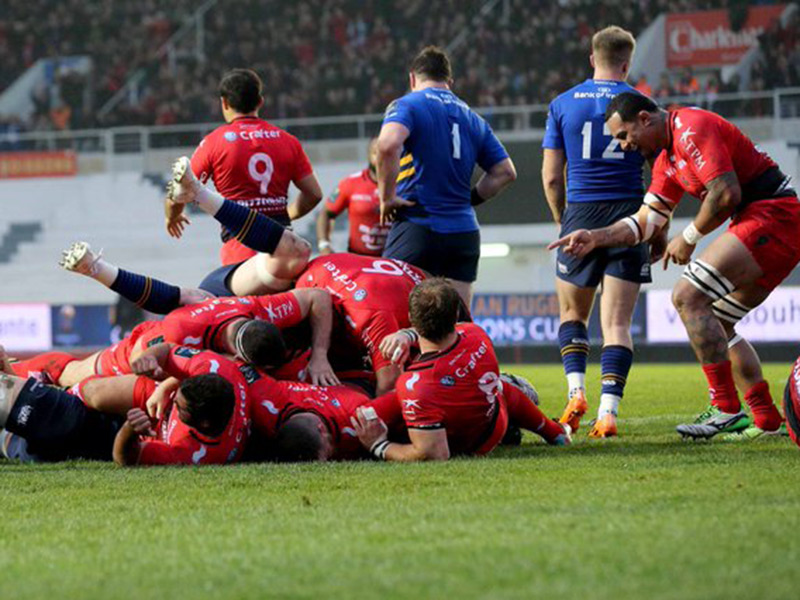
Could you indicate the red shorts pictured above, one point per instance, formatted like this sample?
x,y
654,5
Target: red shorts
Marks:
x,y
116,359
232,253
770,229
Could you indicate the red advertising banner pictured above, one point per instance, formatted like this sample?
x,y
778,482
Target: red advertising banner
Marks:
x,y
705,38
15,165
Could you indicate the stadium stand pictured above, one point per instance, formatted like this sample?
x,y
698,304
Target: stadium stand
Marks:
x,y
325,57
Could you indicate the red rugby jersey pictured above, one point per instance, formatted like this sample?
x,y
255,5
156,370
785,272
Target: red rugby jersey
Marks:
x,y
358,194
252,162
457,389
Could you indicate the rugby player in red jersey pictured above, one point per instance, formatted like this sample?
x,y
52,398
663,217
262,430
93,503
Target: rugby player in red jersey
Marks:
x,y
371,297
206,422
251,162
709,158
453,398
248,328
791,403
358,195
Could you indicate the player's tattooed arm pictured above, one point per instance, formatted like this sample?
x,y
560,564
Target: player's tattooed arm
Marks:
x,y
723,195
553,181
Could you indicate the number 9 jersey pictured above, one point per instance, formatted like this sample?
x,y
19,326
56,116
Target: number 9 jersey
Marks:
x,y
252,162
597,168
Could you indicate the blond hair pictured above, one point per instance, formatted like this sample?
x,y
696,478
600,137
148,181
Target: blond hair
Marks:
x,y
613,46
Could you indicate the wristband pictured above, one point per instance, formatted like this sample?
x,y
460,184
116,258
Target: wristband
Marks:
x,y
412,335
475,199
378,449
691,235
323,244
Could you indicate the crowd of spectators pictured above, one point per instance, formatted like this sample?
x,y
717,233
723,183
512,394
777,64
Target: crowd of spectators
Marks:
x,y
327,57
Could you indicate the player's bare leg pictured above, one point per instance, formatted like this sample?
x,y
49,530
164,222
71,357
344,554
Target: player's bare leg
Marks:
x,y
112,395
575,306
153,295
78,370
725,268
271,273
464,289
617,304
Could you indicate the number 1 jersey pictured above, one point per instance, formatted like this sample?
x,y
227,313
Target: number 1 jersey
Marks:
x,y
597,168
252,162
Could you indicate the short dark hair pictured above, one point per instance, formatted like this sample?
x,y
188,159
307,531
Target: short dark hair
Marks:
x,y
432,63
210,401
433,308
628,105
241,89
298,440
261,344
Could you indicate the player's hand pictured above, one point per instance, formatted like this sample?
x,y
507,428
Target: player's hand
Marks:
x,y
320,370
176,225
147,365
140,422
160,397
658,246
396,347
578,243
369,427
678,251
389,208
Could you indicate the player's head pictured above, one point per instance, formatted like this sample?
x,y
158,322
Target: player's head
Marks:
x,y
637,122
372,154
206,402
240,93
304,437
259,343
433,308
612,49
431,64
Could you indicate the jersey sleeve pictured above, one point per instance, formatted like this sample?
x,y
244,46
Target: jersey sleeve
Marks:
x,y
156,452
202,166
282,310
553,136
339,200
302,166
491,150
400,111
663,183
381,324
417,398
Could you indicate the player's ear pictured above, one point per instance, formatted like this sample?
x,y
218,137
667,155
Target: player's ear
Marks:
x,y
260,103
224,103
412,80
645,117
591,60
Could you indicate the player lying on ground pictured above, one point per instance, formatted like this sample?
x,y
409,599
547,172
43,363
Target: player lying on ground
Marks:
x,y
204,422
709,158
249,328
791,403
453,399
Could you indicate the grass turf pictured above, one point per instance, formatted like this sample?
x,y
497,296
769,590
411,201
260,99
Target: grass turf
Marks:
x,y
642,516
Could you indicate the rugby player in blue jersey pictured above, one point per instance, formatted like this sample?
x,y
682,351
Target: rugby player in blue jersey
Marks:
x,y
428,147
602,185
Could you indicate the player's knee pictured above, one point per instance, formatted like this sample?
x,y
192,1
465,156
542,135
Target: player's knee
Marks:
x,y
291,256
685,297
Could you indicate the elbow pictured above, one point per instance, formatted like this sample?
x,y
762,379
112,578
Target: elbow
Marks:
x,y
510,173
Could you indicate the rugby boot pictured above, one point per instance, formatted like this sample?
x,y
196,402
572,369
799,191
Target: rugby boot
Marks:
x,y
565,439
754,432
184,187
80,258
576,408
713,421
604,427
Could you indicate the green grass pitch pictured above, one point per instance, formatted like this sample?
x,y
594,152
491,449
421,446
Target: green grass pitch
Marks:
x,y
643,516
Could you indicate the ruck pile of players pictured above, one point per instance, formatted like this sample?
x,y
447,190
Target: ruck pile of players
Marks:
x,y
371,353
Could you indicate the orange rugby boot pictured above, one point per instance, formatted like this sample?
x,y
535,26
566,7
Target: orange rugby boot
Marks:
x,y
604,427
576,408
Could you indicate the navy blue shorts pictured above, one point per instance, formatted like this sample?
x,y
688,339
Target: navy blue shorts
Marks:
x,y
58,426
218,281
452,255
629,263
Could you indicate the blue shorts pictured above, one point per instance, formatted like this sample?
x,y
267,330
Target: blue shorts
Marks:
x,y
628,263
452,255
218,281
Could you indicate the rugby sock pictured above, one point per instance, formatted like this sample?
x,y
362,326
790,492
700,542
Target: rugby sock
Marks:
x,y
573,339
150,294
104,272
50,364
250,228
615,363
524,413
721,387
765,413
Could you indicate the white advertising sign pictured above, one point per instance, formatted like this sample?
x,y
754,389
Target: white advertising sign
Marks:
x,y
776,320
25,327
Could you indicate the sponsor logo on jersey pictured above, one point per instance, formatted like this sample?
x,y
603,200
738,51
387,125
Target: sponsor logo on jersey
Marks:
x,y
360,294
249,373
25,414
198,456
410,404
448,380
562,268
474,357
229,136
412,381
190,341
214,366
186,352
155,341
